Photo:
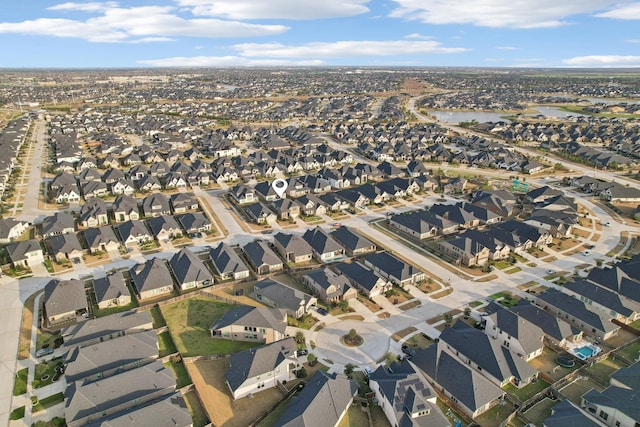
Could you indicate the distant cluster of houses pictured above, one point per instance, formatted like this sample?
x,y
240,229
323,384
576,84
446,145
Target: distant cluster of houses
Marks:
x,y
610,191
106,229
481,232
11,139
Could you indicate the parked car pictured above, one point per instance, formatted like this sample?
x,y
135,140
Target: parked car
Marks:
x,y
409,351
44,352
322,311
302,352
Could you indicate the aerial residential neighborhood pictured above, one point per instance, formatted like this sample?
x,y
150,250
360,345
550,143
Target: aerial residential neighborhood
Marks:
x,y
308,248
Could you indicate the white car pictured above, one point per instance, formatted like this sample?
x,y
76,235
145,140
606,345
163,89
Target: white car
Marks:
x,y
586,253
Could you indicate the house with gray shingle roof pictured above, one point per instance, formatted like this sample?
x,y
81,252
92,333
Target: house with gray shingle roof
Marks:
x,y
329,286
618,404
63,300
278,295
91,401
406,397
228,263
111,290
566,414
164,228
364,280
253,324
394,269
64,247
323,402
94,213
156,204
101,239
257,368
125,208
189,271
58,223
151,278
194,222
354,243
25,253
262,258
171,407
325,248
106,328
133,232
11,229
603,299
292,247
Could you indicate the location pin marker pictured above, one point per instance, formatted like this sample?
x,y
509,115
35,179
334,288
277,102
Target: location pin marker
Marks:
x,y
280,186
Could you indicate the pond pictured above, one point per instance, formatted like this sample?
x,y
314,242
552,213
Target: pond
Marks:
x,y
467,116
549,111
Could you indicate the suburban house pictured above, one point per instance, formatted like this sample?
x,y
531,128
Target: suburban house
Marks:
x,y
172,407
469,391
64,247
125,208
576,313
330,395
151,278
108,358
465,250
393,269
184,202
605,300
490,357
292,247
164,228
105,328
354,243
189,271
260,213
364,280
11,229
194,222
253,324
228,263
324,247
25,253
86,402
566,414
329,286
156,204
58,223
133,232
102,239
278,295
111,291
250,371
262,258
423,224
618,404
406,397
556,330
243,194
63,300
94,213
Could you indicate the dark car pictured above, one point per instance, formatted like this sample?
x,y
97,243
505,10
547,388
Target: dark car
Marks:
x,y
409,351
322,311
302,352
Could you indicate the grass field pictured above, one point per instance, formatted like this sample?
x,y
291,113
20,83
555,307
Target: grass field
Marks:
x,y
17,414
196,409
527,391
603,370
189,322
20,386
166,345
48,402
180,372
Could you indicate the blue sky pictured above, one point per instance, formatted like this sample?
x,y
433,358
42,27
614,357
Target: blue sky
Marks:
x,y
483,33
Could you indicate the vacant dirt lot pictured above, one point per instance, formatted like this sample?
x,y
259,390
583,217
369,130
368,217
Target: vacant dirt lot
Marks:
x,y
223,411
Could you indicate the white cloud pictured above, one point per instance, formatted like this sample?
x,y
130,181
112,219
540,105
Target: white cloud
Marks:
x,y
506,48
612,61
138,24
225,61
342,49
276,9
417,36
497,13
85,7
627,12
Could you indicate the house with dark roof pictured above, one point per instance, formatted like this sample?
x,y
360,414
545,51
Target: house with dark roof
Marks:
x,y
87,402
111,291
542,193
618,404
257,368
566,414
25,253
278,295
194,222
164,228
292,247
329,286
260,213
605,300
252,324
423,224
243,194
325,248
489,356
189,271
183,202
323,402
470,392
354,243
133,232
64,247
156,204
172,407
393,269
63,300
151,278
108,358
11,229
94,213
262,258
576,313
105,328
364,280
465,250
406,397
228,263
125,208
58,223
101,239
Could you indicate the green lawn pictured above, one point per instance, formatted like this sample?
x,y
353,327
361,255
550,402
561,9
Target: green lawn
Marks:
x,y
540,411
527,391
112,310
189,322
199,415
355,417
17,414
20,386
48,402
156,317
180,372
631,352
305,322
603,370
44,370
495,416
166,345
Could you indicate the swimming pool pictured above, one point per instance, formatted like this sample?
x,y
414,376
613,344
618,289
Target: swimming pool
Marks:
x,y
586,351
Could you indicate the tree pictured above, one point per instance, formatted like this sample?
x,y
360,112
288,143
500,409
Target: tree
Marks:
x,y
299,337
467,312
448,318
390,358
312,359
344,305
348,369
353,334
